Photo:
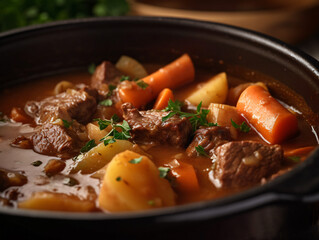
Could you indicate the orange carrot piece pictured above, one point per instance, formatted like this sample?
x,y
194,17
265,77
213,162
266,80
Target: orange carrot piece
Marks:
x,y
299,152
18,115
186,179
162,100
264,113
177,73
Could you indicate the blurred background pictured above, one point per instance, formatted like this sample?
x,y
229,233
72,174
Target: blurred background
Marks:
x,y
293,21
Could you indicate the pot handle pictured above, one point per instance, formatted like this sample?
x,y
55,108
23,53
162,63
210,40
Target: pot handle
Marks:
x,y
302,182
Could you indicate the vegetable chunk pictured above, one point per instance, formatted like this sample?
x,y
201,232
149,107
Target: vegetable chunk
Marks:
x,y
212,91
176,74
57,202
132,182
273,121
100,155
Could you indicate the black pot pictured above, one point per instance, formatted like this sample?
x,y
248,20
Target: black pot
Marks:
x,y
284,208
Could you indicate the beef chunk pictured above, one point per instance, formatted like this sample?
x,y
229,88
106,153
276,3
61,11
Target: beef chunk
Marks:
x,y
245,163
56,140
208,138
148,127
106,73
72,104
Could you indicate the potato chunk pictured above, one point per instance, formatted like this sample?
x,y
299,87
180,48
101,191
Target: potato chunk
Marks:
x,y
99,156
57,202
214,90
133,182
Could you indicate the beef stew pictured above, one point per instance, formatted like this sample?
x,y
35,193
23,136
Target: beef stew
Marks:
x,y
96,143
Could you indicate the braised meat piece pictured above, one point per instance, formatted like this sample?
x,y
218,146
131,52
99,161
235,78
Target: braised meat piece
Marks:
x,y
209,138
106,73
72,104
245,163
56,140
148,127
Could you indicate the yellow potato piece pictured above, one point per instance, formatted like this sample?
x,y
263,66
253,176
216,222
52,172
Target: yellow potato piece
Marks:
x,y
131,186
131,67
99,156
214,90
57,202
222,114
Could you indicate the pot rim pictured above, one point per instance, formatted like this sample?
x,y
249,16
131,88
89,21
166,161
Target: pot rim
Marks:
x,y
239,202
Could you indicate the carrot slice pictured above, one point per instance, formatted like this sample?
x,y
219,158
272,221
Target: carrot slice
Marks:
x,y
162,100
177,73
299,152
185,177
273,121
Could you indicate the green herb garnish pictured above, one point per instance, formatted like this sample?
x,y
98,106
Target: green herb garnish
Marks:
x,y
114,133
136,160
111,89
243,127
66,123
163,171
197,119
36,163
106,102
91,68
295,159
88,146
118,179
201,151
142,84
124,78
151,202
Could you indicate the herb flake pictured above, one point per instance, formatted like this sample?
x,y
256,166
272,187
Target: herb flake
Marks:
x,y
201,151
199,118
243,127
136,160
66,123
295,159
91,68
106,103
114,134
142,84
118,179
88,146
163,171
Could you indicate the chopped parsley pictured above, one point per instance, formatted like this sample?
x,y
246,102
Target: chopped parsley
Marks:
x,y
197,119
243,127
106,102
114,134
151,202
36,163
118,179
91,68
295,159
88,146
142,84
163,171
66,123
201,151
124,78
136,160
111,89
